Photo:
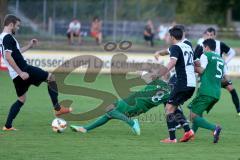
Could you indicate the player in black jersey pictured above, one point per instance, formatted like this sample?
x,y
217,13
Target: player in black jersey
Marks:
x,y
22,74
181,58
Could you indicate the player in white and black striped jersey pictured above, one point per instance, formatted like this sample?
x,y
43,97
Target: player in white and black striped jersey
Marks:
x,y
22,74
167,51
173,78
221,48
181,58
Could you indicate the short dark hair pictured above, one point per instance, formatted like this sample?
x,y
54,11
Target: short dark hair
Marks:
x,y
211,29
177,33
95,18
10,18
211,43
180,26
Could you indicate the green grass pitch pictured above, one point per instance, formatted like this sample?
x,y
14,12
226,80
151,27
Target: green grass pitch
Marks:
x,y
36,141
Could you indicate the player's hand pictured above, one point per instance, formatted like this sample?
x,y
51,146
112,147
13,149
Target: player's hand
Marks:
x,y
156,55
165,78
154,76
24,75
33,43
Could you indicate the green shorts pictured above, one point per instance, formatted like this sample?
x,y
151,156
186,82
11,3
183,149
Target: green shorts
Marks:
x,y
122,106
130,110
202,103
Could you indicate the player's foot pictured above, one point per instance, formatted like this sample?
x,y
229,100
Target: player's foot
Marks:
x,y
238,113
187,136
78,129
63,110
238,110
168,140
216,134
136,127
9,129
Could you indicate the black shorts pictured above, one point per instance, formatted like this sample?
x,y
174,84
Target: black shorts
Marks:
x,y
172,81
74,34
179,97
36,77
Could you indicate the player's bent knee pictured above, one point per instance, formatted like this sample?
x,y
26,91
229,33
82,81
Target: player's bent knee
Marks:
x,y
22,99
229,88
51,77
192,116
170,109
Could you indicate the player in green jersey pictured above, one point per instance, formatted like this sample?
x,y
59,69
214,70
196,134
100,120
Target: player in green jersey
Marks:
x,y
208,94
152,95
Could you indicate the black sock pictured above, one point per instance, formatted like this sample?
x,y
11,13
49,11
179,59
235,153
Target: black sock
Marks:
x,y
181,119
171,125
15,108
235,99
180,110
53,92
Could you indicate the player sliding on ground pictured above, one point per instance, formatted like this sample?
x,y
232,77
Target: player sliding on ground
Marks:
x,y
211,72
152,95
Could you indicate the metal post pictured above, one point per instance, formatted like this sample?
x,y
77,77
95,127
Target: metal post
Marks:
x,y
17,7
74,8
105,9
114,19
54,18
44,14
105,18
138,10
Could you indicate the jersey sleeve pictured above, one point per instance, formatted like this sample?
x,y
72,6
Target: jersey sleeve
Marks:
x,y
198,52
8,43
224,48
203,61
1,47
174,51
168,51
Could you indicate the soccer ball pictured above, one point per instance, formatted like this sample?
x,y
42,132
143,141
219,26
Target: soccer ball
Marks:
x,y
59,125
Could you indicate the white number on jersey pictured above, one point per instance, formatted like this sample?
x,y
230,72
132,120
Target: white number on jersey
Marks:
x,y
189,56
158,97
219,74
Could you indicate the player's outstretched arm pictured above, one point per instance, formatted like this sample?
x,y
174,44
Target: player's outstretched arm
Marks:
x,y
150,75
31,44
170,66
161,53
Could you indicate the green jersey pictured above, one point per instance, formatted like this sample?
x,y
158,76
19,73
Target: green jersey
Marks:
x,y
212,75
152,95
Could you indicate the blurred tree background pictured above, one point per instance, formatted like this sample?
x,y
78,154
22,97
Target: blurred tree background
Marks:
x,y
221,12
3,10
123,19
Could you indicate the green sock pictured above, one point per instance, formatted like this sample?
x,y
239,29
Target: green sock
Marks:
x,y
194,127
97,123
203,123
118,115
